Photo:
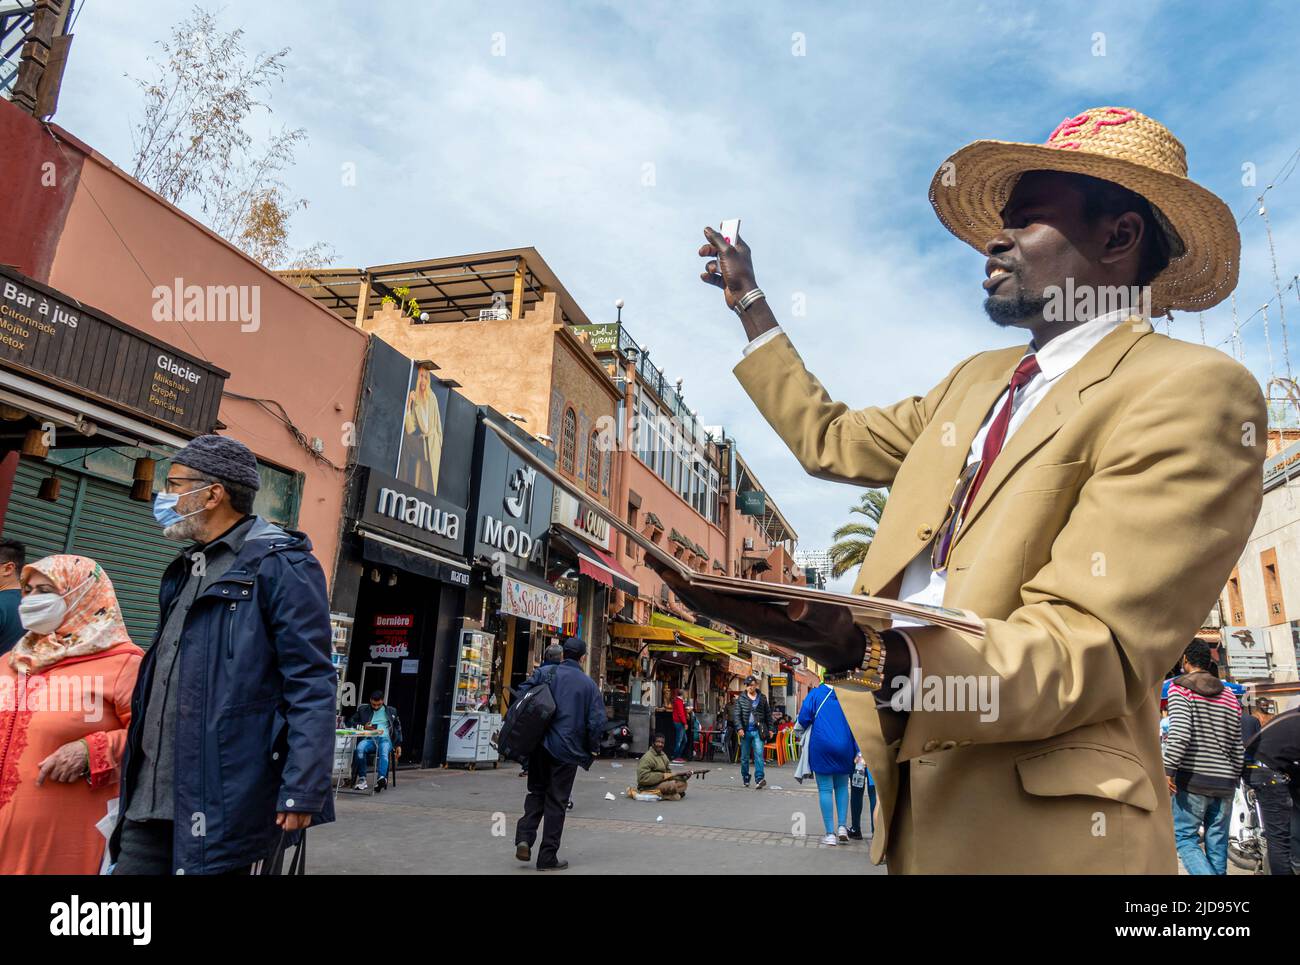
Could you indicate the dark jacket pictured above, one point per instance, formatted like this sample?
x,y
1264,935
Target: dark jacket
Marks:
x,y
1278,746
365,713
579,721
256,692
742,709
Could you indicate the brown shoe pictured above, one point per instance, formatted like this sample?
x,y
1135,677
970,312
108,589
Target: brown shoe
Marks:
x,y
523,852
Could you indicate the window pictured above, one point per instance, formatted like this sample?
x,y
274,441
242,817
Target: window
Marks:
x,y
1272,587
569,441
593,462
1236,609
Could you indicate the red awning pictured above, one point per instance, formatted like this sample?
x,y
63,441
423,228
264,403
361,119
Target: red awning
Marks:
x,y
600,566
605,569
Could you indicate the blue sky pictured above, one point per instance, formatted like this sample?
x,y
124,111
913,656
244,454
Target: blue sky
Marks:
x,y
825,153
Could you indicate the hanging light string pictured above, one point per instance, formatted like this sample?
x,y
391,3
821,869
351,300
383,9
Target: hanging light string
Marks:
x,y
1277,287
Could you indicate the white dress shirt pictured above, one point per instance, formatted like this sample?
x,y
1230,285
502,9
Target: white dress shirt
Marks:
x,y
921,584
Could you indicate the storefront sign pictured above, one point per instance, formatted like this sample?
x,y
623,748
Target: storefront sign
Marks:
x,y
751,502
765,665
392,636
602,337
578,517
514,505
779,680
417,515
1247,652
741,668
48,335
531,602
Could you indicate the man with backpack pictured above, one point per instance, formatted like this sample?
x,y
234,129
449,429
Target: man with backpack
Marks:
x,y
570,741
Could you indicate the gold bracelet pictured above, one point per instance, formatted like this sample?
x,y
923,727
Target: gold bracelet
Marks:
x,y
871,673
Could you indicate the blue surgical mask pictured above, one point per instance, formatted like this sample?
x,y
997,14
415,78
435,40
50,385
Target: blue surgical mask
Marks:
x,y
164,507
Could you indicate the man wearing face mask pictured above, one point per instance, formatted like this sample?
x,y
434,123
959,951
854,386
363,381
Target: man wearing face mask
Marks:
x,y
232,730
12,554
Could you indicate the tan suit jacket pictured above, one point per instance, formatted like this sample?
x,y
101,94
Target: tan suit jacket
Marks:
x,y
1093,551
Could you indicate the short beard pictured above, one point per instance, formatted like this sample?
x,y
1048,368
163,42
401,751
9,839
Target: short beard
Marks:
x,y
188,530
1017,310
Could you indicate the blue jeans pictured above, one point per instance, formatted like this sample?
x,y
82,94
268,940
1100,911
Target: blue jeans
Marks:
x,y
751,743
1191,813
367,745
838,786
679,742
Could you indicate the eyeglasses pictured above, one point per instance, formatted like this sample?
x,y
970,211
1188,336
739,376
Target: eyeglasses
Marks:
x,y
174,482
957,506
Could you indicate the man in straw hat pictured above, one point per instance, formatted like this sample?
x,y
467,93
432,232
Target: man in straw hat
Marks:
x,y
1086,495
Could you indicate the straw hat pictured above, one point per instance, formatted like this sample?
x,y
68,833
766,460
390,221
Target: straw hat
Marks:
x,y
1115,144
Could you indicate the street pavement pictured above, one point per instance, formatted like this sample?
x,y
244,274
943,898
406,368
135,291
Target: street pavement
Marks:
x,y
448,821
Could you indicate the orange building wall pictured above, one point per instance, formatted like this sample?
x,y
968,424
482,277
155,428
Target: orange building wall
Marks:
x,y
657,497
120,243
593,397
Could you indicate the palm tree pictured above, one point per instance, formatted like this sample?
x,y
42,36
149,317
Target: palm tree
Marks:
x,y
852,540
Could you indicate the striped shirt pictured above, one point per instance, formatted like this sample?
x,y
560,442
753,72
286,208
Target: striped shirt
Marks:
x,y
1203,752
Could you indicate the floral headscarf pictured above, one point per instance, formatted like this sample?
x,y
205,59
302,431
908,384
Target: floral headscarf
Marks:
x,y
93,621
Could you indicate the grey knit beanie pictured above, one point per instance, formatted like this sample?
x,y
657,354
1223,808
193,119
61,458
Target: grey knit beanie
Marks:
x,y
229,460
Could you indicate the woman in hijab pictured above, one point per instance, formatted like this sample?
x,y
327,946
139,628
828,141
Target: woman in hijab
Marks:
x,y
422,445
65,702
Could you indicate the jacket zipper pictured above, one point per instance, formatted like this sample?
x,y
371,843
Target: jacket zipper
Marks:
x,y
230,632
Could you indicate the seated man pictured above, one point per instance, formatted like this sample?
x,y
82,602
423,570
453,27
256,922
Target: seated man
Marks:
x,y
381,716
654,772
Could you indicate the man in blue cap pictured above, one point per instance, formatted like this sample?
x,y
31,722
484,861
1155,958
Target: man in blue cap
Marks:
x,y
232,720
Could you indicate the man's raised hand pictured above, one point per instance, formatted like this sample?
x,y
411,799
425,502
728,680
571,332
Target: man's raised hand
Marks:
x,y
729,266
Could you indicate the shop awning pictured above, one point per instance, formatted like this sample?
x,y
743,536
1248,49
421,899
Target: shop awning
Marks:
x,y
669,633
599,565
387,551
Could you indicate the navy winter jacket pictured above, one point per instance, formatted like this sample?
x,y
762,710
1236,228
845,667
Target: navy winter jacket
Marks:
x,y
579,721
256,696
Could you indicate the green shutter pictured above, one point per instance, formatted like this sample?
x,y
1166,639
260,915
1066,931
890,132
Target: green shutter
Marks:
x,y
42,527
96,518
124,538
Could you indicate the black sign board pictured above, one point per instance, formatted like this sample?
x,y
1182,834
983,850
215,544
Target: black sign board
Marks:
x,y
56,339
512,508
418,516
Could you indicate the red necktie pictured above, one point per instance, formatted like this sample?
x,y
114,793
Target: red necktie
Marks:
x,y
997,435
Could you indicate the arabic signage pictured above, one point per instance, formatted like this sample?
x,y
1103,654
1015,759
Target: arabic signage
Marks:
x,y
740,668
602,337
765,665
578,517
1282,466
513,508
1247,652
48,335
531,602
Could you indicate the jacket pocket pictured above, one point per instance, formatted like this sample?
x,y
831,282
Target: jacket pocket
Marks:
x,y
1039,479
1089,770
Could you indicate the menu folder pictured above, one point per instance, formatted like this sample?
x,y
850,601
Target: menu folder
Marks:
x,y
777,594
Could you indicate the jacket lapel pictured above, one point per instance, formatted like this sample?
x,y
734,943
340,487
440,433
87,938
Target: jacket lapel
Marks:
x,y
888,556
1060,403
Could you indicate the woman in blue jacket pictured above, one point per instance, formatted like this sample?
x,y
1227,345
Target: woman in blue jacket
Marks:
x,y
832,752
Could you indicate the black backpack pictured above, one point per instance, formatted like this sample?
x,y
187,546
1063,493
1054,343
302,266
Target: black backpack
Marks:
x,y
527,721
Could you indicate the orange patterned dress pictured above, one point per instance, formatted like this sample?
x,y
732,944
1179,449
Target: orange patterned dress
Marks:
x,y
70,685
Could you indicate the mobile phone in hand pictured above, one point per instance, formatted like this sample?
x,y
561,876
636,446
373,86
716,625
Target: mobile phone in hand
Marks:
x,y
730,230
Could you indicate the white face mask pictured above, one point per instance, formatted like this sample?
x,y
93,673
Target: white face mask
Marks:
x,y
45,612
